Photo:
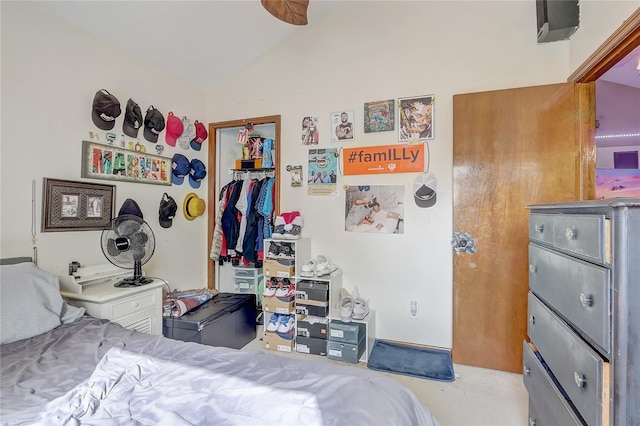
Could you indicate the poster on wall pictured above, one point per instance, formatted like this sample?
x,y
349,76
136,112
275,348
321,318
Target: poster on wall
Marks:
x,y
375,209
379,116
323,171
381,159
416,118
310,133
611,183
342,126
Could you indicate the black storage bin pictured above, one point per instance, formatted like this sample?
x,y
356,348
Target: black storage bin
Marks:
x,y
229,319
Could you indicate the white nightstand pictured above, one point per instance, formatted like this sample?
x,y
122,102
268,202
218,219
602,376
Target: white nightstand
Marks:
x,y
137,308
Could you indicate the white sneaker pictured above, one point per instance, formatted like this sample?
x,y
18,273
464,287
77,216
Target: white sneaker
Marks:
x,y
346,306
360,306
274,322
309,268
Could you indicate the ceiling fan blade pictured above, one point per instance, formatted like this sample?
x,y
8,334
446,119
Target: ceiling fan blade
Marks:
x,y
290,11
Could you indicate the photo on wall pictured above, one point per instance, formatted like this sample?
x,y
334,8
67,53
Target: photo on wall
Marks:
x,y
416,118
323,171
310,133
342,126
374,209
379,116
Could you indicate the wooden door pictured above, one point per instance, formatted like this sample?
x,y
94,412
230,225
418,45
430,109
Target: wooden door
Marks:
x,y
511,148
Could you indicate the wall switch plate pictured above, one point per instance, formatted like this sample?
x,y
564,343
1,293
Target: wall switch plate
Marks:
x,y
413,309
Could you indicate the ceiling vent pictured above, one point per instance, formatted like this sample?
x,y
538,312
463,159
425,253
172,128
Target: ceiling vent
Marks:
x,y
557,19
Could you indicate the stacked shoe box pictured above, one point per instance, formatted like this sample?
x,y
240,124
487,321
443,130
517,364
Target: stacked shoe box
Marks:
x,y
278,301
347,341
312,309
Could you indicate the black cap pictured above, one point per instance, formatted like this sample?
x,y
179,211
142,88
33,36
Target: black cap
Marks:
x,y
153,124
130,207
105,110
132,119
167,211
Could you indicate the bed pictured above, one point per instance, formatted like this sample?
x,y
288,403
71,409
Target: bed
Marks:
x,y
84,370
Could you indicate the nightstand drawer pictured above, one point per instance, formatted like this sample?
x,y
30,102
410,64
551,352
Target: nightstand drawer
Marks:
x,y
132,304
541,227
579,291
580,371
547,404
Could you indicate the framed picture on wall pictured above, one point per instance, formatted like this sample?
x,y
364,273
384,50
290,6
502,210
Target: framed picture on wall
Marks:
x,y
379,116
113,163
416,118
76,206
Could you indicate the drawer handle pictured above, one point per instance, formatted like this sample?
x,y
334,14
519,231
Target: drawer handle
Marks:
x,y
570,234
586,301
579,379
539,228
532,269
532,319
532,421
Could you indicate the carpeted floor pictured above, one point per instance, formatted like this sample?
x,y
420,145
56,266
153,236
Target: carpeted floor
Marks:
x,y
477,396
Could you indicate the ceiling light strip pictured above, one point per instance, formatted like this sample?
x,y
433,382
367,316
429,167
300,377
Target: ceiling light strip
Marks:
x,y
622,135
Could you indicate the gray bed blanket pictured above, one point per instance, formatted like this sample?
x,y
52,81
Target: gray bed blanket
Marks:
x,y
96,372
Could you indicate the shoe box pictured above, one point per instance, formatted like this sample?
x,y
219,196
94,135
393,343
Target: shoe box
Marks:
x,y
309,345
278,306
312,307
312,327
275,342
346,352
347,332
312,290
280,268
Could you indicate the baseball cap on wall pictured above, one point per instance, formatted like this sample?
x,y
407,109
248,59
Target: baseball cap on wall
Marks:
x,y
174,129
197,173
201,136
188,133
181,168
153,124
424,190
132,119
167,210
105,110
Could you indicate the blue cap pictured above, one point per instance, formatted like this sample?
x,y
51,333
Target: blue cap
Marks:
x,y
181,168
196,146
198,172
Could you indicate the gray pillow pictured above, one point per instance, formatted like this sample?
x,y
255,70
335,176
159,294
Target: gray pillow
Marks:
x,y
30,303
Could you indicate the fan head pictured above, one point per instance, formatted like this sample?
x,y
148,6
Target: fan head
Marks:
x,y
128,243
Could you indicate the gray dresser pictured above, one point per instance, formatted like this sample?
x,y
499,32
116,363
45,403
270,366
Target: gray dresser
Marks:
x,y
582,365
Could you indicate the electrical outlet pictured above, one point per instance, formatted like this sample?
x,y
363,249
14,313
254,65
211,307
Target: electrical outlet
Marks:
x,y
413,309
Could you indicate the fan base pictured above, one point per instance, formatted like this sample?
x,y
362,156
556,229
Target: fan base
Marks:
x,y
133,282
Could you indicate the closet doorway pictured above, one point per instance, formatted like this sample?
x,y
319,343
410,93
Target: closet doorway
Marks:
x,y
221,163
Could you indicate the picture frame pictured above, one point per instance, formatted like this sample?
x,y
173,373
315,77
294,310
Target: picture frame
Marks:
x,y
379,116
109,162
416,118
342,125
76,206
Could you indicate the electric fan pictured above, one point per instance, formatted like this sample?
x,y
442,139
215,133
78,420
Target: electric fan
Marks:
x,y
129,243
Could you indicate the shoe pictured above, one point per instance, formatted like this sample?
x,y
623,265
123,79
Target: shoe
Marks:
x,y
325,267
270,287
346,306
286,290
293,230
287,327
274,250
308,269
286,252
274,322
360,306
278,227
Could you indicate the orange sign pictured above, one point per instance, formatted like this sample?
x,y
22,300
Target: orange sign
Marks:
x,y
399,158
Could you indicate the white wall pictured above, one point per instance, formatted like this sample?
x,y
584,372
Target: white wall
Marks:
x,y
362,51
50,72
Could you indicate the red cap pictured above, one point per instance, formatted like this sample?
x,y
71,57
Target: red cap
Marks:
x,y
201,132
174,129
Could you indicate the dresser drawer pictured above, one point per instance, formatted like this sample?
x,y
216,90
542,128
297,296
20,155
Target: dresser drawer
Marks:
x,y
579,291
541,227
583,235
547,404
580,371
132,304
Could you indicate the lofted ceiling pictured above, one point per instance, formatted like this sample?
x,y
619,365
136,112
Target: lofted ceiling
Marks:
x,y
200,42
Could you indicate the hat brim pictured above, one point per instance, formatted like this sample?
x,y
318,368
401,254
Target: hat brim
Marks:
x,y
177,180
165,223
425,202
150,136
194,183
170,140
195,145
129,130
184,143
100,123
